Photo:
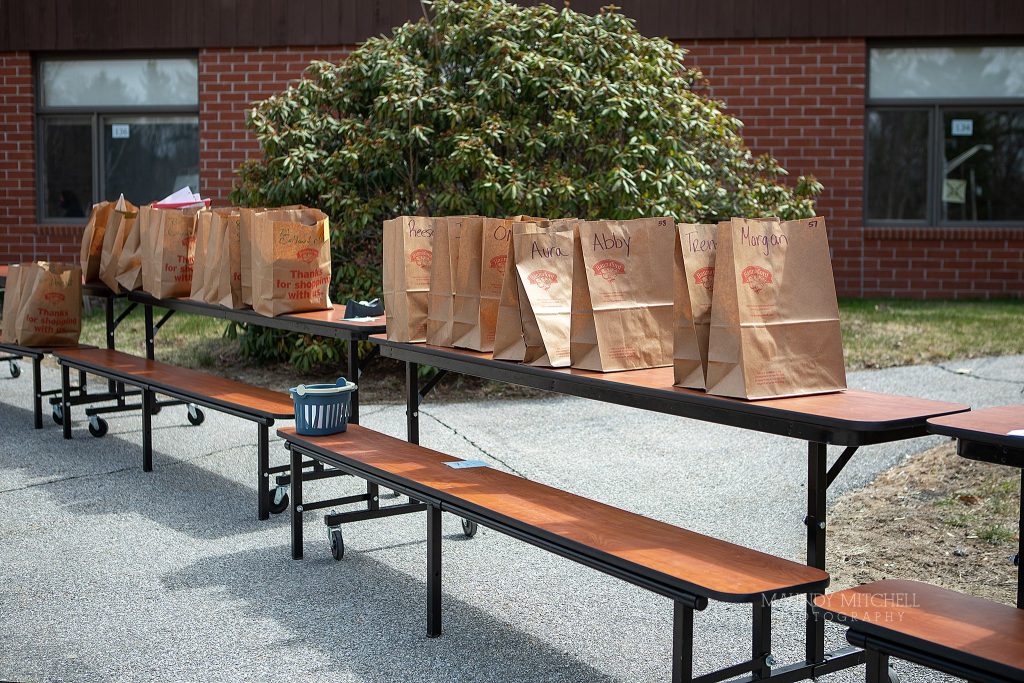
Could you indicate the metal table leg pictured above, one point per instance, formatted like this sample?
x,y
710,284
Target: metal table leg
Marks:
x,y
37,394
263,472
817,487
353,376
433,571
147,430
65,399
1020,547
412,402
296,496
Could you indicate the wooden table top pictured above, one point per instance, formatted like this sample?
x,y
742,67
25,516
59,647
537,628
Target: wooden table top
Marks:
x,y
960,626
986,426
336,316
851,409
161,376
726,571
326,323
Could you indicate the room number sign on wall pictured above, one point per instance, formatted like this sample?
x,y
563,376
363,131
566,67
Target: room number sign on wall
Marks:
x,y
963,127
120,131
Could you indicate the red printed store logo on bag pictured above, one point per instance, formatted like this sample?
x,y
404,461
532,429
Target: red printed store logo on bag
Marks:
x,y
542,278
498,263
609,269
54,297
422,258
307,255
756,277
706,276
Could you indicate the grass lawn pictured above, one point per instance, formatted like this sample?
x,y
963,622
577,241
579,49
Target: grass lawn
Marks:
x,y
877,333
881,333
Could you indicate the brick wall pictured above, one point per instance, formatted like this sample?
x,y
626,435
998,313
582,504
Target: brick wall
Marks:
x,y
20,236
230,80
803,102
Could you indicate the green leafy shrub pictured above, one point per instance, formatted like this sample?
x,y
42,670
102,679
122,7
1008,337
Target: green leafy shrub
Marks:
x,y
487,107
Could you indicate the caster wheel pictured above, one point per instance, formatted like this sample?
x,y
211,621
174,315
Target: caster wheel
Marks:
x,y
15,370
337,544
469,528
98,426
57,412
279,500
195,415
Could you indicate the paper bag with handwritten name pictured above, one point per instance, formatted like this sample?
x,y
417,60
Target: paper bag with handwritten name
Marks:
x,y
291,261
119,225
544,266
517,335
168,251
443,264
483,255
92,240
622,304
694,284
774,318
50,304
408,259
509,341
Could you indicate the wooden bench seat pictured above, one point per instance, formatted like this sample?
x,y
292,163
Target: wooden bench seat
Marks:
x,y
255,404
686,566
958,634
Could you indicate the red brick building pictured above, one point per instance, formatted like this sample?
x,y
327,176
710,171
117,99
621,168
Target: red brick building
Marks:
x,y
911,113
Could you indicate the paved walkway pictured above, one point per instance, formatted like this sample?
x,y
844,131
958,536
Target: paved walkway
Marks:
x,y
107,573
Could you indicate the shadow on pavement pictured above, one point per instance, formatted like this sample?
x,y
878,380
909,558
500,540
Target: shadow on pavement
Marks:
x,y
365,618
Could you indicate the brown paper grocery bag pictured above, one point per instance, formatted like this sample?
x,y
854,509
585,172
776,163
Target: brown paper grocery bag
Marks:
x,y
50,306
224,281
12,297
169,243
129,263
408,259
441,297
119,226
483,253
544,265
622,294
202,253
246,219
774,318
509,341
291,264
92,240
694,284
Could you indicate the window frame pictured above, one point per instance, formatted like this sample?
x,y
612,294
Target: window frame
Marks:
x,y
43,113
936,158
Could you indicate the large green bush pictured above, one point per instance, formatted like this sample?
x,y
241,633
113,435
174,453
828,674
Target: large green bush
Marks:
x,y
487,107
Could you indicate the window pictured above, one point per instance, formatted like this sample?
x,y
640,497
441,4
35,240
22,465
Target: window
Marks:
x,y
945,136
107,126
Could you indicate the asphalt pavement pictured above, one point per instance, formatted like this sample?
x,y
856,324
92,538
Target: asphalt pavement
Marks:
x,y
110,573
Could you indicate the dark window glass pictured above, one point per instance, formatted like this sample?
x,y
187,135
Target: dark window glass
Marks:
x,y
983,171
66,151
897,149
149,157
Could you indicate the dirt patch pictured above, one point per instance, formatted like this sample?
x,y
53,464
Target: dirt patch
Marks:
x,y
937,518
